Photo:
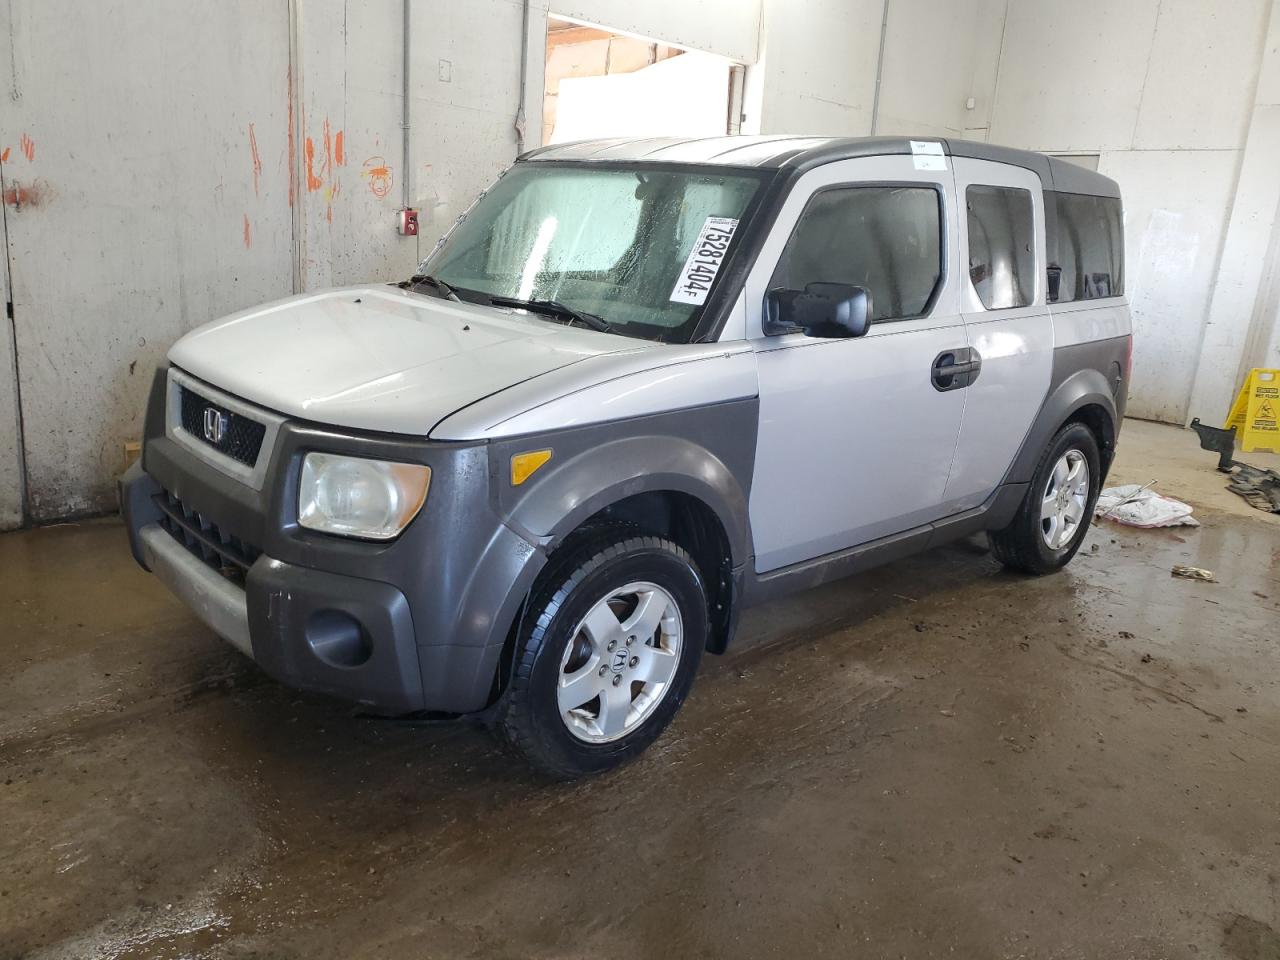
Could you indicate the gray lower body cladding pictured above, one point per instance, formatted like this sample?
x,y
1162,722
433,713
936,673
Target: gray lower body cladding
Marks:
x,y
1089,374
688,470
421,622
418,623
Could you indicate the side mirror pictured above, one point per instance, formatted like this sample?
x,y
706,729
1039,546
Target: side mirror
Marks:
x,y
831,310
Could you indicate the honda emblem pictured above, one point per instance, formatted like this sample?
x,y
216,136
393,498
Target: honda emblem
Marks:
x,y
215,424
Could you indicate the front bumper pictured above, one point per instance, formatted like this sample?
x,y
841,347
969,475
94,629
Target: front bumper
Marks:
x,y
214,599
415,624
341,635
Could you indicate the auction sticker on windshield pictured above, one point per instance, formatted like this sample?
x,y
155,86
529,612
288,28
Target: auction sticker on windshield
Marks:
x,y
704,260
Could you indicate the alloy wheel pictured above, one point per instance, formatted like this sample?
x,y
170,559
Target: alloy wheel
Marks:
x,y
1066,497
619,662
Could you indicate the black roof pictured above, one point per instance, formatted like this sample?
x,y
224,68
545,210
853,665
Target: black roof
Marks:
x,y
800,153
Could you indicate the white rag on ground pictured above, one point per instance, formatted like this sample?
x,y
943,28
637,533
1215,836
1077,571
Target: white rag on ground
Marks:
x,y
1146,508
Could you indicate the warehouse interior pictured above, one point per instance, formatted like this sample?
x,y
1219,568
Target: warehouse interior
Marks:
x,y
934,758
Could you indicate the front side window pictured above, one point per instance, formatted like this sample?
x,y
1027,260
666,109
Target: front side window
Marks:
x,y
637,246
887,240
1088,259
1001,246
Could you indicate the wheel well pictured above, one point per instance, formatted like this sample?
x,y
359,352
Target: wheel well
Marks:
x,y
680,518
1098,420
687,521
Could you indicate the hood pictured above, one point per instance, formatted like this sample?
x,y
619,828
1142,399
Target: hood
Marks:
x,y
378,358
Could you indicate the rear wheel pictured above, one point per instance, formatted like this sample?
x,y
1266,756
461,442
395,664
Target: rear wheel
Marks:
x,y
608,652
1055,512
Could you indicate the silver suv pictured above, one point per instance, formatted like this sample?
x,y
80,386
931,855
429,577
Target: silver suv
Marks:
x,y
637,388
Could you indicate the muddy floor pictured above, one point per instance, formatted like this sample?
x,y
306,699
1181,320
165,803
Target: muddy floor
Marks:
x,y
938,759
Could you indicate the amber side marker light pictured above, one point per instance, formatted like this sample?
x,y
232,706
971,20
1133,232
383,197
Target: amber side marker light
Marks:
x,y
525,465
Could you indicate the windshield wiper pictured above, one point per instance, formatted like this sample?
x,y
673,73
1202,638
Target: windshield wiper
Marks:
x,y
556,309
436,282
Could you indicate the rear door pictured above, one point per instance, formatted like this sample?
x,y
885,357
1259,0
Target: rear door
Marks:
x,y
1002,295
855,440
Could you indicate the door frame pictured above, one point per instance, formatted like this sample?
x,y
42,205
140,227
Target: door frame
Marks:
x,y
13,497
885,169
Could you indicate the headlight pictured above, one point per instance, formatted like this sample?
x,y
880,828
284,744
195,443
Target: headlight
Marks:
x,y
355,497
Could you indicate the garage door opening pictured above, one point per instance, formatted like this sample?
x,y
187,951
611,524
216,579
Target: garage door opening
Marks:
x,y
605,84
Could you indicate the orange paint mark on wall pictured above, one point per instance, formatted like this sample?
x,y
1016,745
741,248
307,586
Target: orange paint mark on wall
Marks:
x,y
379,174
257,160
31,196
321,165
248,233
4,157
314,183
293,147
28,147
330,194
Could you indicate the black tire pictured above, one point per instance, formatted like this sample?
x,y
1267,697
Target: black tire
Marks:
x,y
579,576
1022,545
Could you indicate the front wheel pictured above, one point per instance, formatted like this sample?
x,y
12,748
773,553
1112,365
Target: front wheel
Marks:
x,y
1055,512
606,654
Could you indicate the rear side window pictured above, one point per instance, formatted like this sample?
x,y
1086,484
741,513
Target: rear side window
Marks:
x,y
1001,246
887,240
1086,248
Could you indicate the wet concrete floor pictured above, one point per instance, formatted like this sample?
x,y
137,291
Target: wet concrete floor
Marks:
x,y
938,759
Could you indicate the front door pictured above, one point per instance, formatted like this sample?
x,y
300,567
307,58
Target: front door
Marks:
x,y
857,436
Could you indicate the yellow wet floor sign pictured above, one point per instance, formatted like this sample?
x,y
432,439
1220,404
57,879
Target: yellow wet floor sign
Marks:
x,y
1254,414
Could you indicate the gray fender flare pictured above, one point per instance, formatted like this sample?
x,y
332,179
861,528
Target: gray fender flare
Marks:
x,y
1083,388
586,483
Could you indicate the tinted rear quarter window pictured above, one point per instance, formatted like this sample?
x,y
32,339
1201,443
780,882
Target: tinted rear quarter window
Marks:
x,y
885,239
1087,248
1001,246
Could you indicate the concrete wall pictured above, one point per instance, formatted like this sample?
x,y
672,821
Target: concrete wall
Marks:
x,y
932,52
817,71
464,94
146,185
818,67
175,164
1243,325
1164,91
1180,99
161,182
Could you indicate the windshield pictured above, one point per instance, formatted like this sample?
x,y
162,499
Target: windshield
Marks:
x,y
637,247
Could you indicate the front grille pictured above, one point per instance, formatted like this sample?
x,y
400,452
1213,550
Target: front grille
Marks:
x,y
227,554
241,438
